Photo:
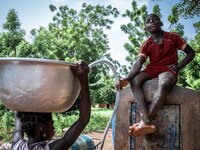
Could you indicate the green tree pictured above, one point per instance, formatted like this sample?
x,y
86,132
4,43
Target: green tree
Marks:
x,y
192,70
175,26
73,35
188,8
189,76
7,123
135,30
106,92
10,39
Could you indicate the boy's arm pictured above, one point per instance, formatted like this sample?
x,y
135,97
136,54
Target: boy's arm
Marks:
x,y
18,133
135,69
190,54
85,109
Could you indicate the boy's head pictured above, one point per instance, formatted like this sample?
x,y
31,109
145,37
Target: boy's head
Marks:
x,y
38,124
153,23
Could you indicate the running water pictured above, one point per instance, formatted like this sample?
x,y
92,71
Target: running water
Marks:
x,y
112,119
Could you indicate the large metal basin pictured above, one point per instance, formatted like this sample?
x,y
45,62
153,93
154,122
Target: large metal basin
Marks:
x,y
37,85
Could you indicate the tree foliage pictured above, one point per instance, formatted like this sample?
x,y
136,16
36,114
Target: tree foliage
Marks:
x,y
188,8
135,30
175,26
13,36
70,36
106,91
73,35
190,75
192,70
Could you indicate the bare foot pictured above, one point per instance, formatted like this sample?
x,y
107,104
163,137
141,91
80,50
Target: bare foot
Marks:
x,y
143,130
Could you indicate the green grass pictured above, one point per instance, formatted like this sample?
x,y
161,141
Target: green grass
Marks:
x,y
103,111
98,121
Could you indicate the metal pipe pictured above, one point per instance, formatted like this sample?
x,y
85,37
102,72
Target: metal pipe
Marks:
x,y
116,99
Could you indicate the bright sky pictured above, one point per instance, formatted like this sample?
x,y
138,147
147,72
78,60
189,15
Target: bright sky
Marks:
x,y
36,13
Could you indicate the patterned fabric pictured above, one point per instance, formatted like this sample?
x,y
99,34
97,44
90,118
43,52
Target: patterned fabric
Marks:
x,y
84,142
23,145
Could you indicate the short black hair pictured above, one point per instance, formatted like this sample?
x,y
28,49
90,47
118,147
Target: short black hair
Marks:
x,y
31,120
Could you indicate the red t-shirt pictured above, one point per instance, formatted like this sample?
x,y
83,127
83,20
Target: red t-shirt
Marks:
x,y
166,53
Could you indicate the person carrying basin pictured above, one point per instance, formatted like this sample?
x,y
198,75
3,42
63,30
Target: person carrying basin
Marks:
x,y
39,126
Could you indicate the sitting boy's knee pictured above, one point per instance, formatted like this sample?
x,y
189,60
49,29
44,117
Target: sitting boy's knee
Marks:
x,y
164,83
166,79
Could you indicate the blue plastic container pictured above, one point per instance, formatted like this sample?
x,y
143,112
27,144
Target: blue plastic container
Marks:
x,y
84,142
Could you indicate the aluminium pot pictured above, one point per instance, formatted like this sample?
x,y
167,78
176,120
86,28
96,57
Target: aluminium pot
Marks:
x,y
37,85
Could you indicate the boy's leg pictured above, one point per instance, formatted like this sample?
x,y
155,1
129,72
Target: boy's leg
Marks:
x,y
136,87
166,81
141,128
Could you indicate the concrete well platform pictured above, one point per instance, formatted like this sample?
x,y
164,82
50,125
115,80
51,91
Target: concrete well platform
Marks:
x,y
178,121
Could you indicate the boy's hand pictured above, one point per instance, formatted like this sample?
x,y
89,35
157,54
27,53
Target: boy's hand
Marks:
x,y
174,68
122,83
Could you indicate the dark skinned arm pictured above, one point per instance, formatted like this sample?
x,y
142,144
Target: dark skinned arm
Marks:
x,y
18,133
135,69
190,54
84,116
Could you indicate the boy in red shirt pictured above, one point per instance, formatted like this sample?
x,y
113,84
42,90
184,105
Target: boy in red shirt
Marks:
x,y
161,49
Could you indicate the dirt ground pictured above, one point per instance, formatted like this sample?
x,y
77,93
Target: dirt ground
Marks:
x,y
97,137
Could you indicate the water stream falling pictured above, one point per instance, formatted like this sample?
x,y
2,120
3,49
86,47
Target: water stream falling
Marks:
x,y
110,65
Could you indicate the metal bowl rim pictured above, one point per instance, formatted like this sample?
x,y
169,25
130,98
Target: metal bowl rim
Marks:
x,y
36,60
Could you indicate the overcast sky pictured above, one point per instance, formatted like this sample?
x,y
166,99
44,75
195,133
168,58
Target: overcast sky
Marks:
x,y
36,13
